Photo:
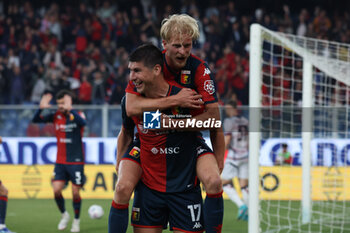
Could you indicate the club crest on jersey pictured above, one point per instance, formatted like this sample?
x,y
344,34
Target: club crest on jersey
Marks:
x,y
71,117
176,110
209,86
185,77
135,152
151,120
135,214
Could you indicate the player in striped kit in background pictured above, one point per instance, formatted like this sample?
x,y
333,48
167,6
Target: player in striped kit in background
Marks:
x,y
236,164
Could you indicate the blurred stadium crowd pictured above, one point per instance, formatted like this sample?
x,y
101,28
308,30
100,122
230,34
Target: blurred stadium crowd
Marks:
x,y
84,45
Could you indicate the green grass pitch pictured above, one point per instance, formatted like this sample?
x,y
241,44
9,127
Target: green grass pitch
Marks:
x,y
42,216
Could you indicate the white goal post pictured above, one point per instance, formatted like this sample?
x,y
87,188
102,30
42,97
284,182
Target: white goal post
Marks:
x,y
299,96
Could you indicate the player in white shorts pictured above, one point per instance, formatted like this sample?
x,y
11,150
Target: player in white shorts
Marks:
x,y
236,164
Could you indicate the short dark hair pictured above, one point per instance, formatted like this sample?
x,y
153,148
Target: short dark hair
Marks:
x,y
148,54
284,145
62,93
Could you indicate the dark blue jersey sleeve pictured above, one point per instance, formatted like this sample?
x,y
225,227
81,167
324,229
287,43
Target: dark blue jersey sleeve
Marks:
x,y
78,118
128,123
38,118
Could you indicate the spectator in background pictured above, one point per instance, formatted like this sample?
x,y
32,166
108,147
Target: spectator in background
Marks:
x,y
150,29
120,82
53,58
85,91
106,10
55,26
120,33
136,21
96,31
17,86
284,157
98,94
29,33
39,88
13,59
4,82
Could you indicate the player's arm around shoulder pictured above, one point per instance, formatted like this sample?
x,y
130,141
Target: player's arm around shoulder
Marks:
x,y
136,105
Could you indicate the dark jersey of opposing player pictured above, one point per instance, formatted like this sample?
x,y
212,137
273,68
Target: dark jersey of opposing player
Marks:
x,y
69,131
168,158
195,75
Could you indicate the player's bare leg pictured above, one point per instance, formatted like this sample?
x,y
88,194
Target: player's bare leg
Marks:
x,y
58,186
3,190
129,174
209,174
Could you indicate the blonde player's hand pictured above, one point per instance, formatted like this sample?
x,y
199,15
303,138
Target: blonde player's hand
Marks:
x,y
188,98
45,101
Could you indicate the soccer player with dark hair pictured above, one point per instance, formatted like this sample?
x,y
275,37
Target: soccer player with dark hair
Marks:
x,y
178,33
3,205
169,190
69,166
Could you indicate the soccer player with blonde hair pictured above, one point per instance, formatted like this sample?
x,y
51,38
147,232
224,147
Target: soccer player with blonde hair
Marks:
x,y
178,34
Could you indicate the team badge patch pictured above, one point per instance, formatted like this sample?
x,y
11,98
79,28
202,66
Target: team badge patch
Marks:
x,y
185,77
135,215
209,86
135,152
175,111
71,117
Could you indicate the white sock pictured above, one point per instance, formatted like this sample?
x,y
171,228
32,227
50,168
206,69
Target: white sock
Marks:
x,y
245,194
2,226
233,195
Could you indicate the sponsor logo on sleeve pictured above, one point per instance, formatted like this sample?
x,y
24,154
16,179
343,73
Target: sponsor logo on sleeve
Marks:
x,y
209,86
206,71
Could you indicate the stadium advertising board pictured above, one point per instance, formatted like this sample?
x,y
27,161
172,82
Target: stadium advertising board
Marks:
x,y
285,183
325,152
277,183
43,150
34,182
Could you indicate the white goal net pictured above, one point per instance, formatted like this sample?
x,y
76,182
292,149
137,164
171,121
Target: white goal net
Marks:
x,y
299,134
